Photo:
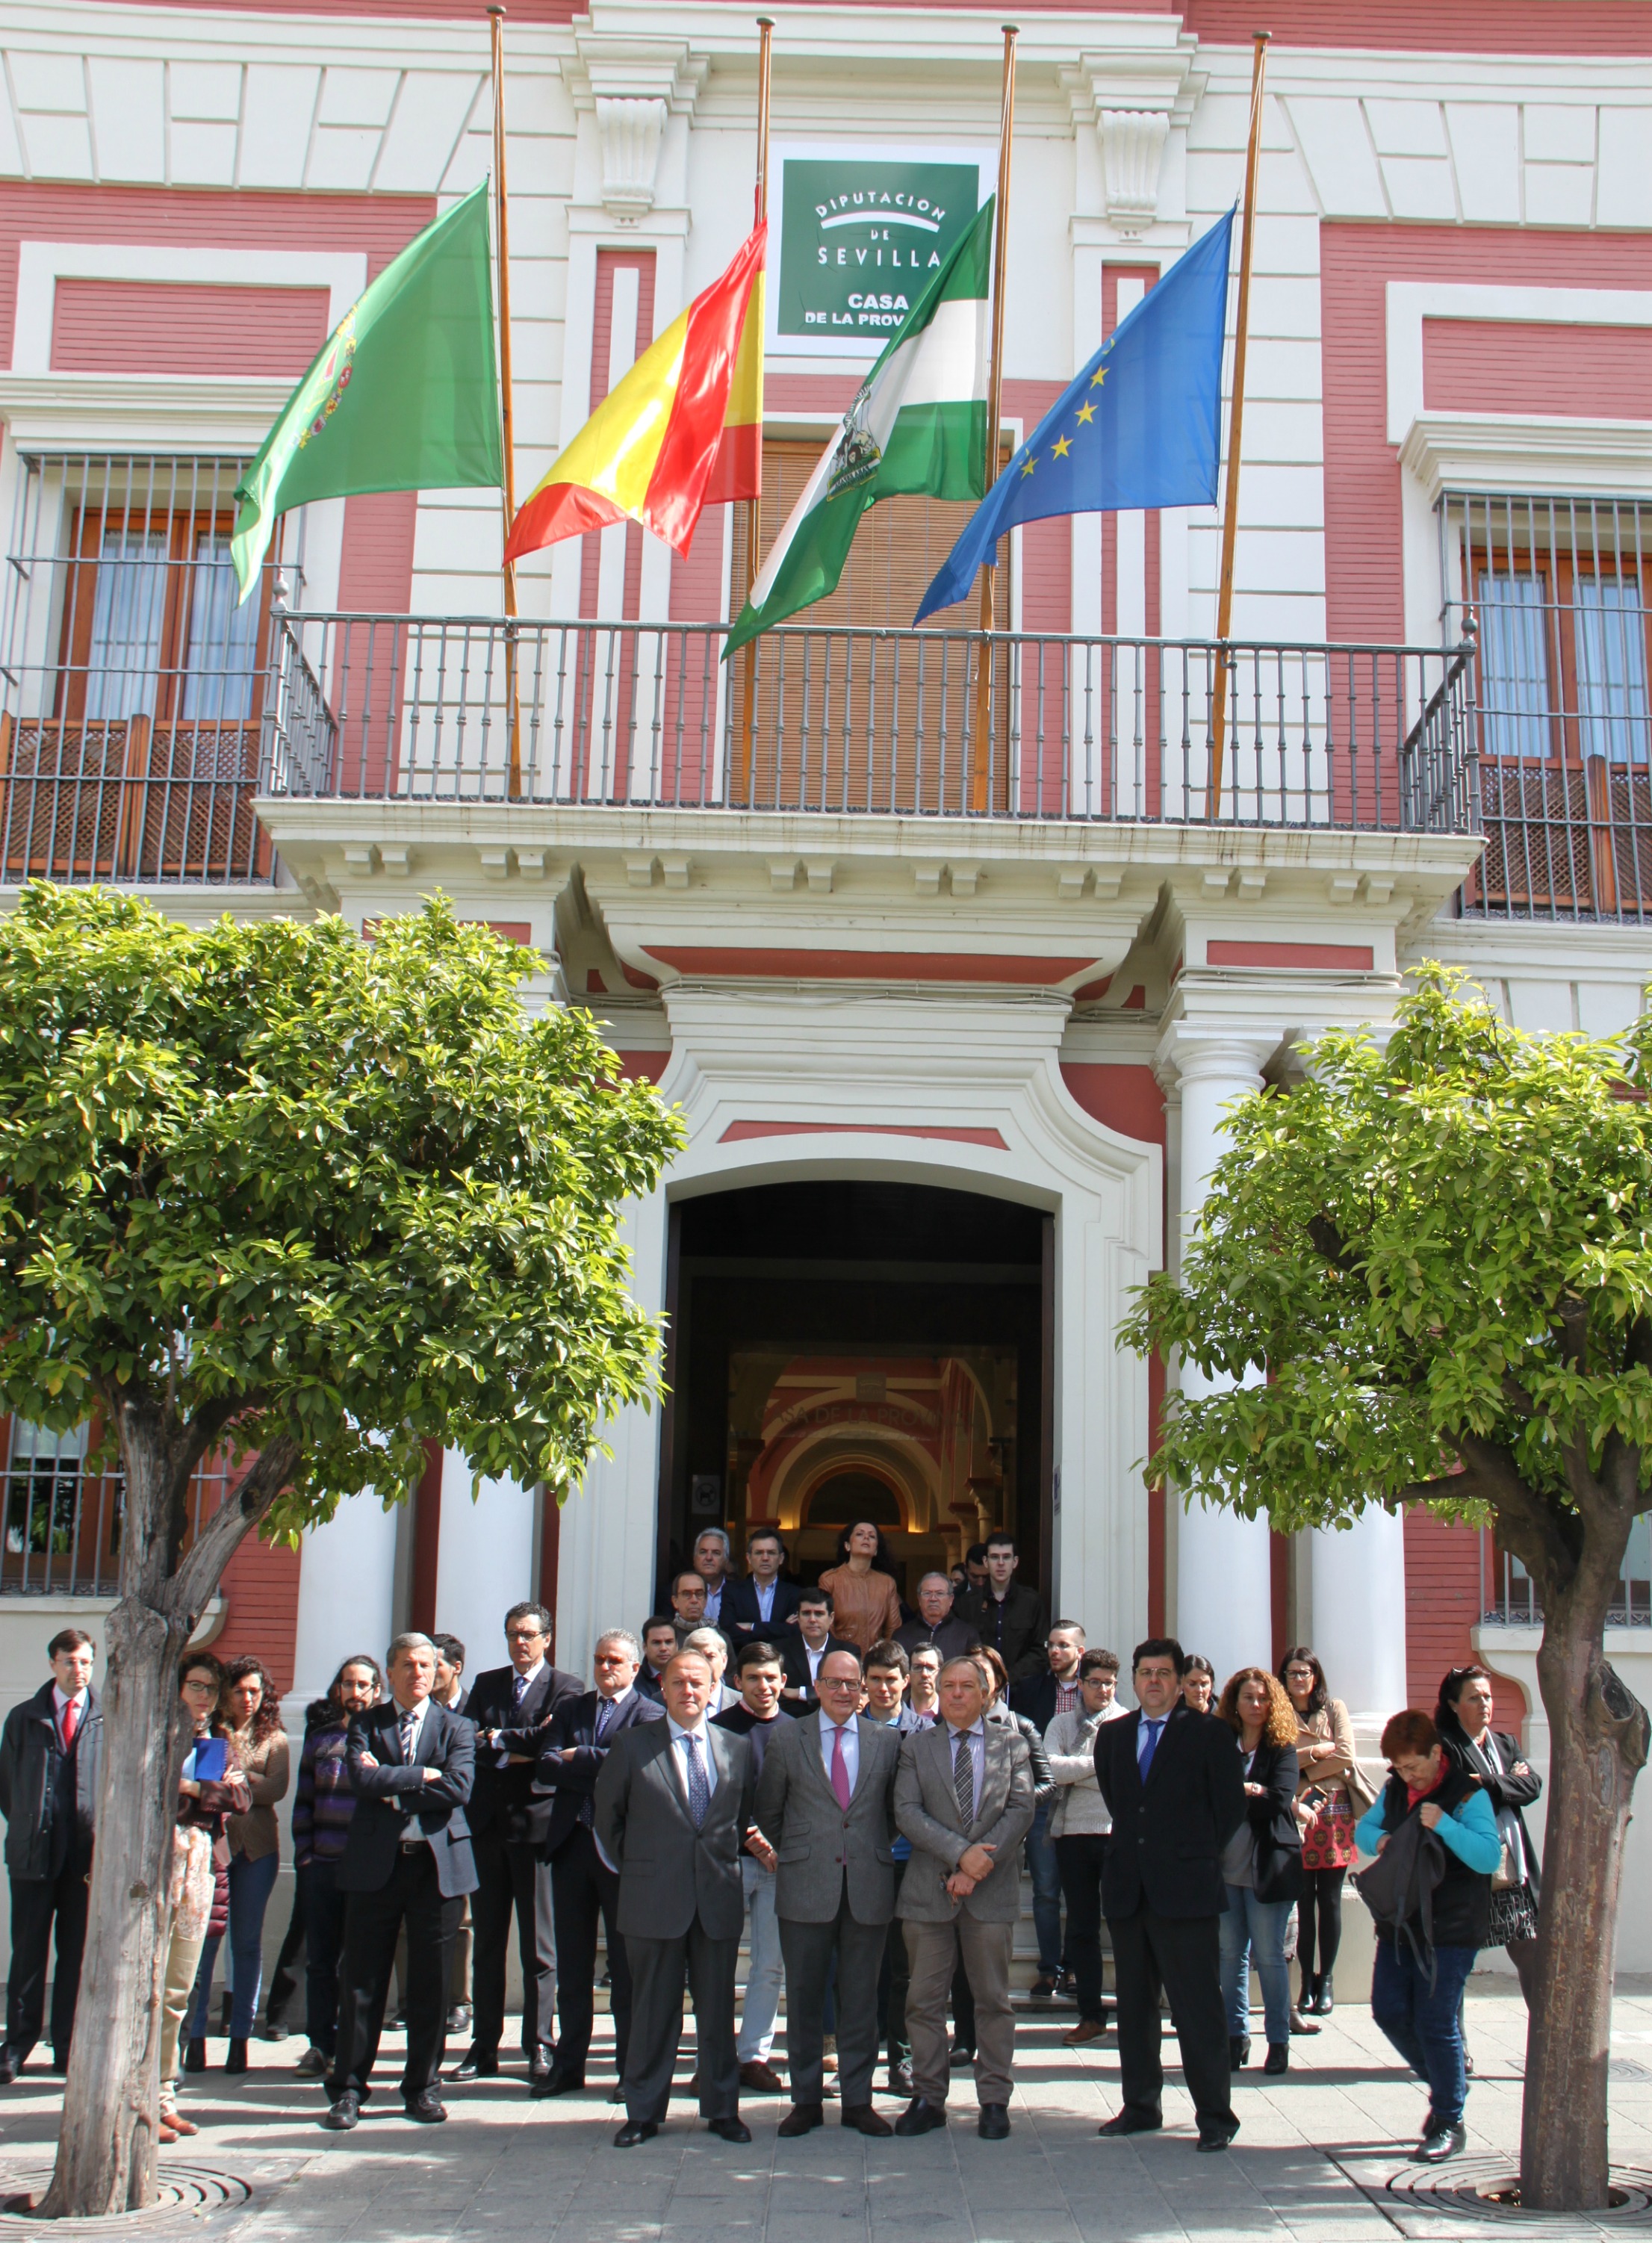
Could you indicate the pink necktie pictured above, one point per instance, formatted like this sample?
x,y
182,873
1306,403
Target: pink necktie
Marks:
x,y
840,1769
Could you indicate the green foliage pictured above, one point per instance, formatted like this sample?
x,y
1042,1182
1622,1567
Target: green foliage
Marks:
x,y
274,1179
1439,1256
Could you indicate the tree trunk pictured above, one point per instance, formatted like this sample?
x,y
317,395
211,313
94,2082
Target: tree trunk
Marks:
x,y
1598,1734
106,2144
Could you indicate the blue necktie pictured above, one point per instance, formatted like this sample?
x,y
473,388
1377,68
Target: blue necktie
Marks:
x,y
1151,1733
699,1796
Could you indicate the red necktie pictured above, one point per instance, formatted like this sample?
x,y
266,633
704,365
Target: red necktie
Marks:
x,y
840,1769
71,1723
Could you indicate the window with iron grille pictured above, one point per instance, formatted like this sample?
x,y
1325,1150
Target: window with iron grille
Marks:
x,y
1508,1595
131,675
60,1522
1559,591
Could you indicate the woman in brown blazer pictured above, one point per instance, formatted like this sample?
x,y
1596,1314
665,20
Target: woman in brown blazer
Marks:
x,y
1333,1793
865,1603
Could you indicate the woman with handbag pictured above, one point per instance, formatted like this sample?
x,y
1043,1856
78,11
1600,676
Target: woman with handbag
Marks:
x,y
1261,1865
1333,1792
1464,1720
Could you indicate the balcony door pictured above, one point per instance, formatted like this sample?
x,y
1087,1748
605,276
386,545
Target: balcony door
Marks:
x,y
846,717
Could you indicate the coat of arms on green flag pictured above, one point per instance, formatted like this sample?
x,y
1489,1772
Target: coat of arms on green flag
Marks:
x,y
403,395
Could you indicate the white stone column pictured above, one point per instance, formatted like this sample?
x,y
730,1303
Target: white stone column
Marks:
x,y
485,1560
1224,1601
1359,1576
347,1591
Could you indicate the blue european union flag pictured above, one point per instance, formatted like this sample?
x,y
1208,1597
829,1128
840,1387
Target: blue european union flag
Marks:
x,y
1139,427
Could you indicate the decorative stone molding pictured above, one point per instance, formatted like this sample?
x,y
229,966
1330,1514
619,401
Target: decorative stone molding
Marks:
x,y
628,129
1526,452
1132,155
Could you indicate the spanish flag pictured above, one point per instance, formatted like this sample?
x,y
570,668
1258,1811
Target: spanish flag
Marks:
x,y
683,430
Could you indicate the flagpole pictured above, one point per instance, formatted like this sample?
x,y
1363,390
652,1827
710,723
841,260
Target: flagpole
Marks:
x,y
754,504
1236,424
982,760
501,235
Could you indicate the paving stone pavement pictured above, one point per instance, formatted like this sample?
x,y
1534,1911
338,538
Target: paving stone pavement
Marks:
x,y
1314,2160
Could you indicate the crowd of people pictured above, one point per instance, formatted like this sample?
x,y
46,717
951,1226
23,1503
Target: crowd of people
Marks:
x,y
851,1787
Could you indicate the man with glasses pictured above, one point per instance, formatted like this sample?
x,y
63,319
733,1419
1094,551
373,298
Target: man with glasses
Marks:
x,y
937,1623
823,1803
510,1822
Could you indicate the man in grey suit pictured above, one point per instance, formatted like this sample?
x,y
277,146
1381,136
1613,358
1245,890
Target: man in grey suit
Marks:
x,y
964,1796
673,1805
823,1802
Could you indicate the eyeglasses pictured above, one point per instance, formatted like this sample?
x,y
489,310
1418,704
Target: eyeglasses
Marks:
x,y
839,1683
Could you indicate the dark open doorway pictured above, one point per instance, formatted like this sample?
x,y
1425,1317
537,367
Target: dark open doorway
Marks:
x,y
848,1349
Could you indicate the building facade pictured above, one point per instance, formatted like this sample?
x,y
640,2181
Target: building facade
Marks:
x,y
951,951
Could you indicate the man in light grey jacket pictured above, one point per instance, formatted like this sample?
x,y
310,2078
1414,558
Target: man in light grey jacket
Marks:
x,y
964,1796
823,1803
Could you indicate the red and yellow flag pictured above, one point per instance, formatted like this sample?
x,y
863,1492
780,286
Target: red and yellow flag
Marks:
x,y
683,430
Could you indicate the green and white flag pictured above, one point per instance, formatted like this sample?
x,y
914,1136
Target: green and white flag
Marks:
x,y
917,423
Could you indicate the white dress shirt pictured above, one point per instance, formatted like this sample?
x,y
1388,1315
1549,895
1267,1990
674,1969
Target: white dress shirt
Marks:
x,y
61,1705
679,1754
851,1748
815,1659
714,1601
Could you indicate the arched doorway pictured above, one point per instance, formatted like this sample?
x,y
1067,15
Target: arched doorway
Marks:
x,y
850,1349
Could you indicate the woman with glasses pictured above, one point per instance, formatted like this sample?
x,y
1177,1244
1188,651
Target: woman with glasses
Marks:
x,y
1333,1793
210,1790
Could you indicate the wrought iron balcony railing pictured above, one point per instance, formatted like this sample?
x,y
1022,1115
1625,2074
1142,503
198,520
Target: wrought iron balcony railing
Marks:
x,y
909,723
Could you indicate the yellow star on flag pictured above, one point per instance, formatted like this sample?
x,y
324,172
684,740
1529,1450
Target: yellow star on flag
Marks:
x,y
1097,379
1028,466
1086,412
1059,448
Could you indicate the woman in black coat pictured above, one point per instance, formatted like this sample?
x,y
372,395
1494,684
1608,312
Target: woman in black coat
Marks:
x,y
1262,1864
1494,1760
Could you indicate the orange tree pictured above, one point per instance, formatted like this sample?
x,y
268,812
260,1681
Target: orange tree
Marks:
x,y
1439,1253
268,1190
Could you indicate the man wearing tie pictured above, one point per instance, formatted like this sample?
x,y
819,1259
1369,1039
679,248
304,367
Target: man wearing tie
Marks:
x,y
674,1803
406,1859
964,1796
508,1819
1175,1787
823,1803
583,1888
50,1756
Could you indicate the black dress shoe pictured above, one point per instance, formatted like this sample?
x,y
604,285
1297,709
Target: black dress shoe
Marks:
x,y
865,2120
900,2079
472,2066
1440,2143
553,2082
960,2058
993,2125
341,2115
635,2130
803,2118
11,2064
540,2063
426,2108
617,2093
1129,2122
459,2018
1216,2137
919,2116
729,2130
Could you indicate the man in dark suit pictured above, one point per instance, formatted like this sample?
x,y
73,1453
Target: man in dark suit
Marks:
x,y
1174,1786
406,1859
801,1653
937,1623
659,1648
509,1706
583,1888
1010,1620
825,1802
674,1803
762,1604
50,1758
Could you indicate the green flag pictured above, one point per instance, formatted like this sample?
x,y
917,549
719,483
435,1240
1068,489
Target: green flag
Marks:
x,y
403,395
917,423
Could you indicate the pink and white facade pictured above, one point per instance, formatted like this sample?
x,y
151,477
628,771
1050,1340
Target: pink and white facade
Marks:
x,y
868,937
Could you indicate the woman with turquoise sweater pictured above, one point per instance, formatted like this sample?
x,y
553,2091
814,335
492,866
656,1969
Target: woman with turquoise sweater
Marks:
x,y
1421,2019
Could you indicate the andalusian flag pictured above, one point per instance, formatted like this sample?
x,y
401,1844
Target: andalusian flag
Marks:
x,y
403,395
917,423
682,431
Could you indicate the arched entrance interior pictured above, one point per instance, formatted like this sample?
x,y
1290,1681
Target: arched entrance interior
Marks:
x,y
849,1349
